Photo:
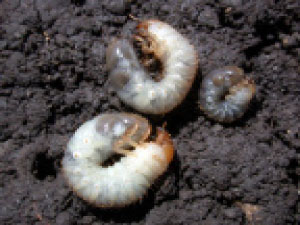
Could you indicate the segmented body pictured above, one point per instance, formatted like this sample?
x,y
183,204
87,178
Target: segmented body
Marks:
x,y
127,180
133,82
226,93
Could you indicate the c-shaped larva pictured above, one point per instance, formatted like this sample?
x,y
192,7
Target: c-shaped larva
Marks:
x,y
226,93
133,83
127,180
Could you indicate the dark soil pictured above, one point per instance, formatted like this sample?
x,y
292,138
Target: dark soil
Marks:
x,y
53,78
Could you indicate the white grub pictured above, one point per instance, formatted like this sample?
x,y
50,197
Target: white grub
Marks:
x,y
226,93
133,82
127,180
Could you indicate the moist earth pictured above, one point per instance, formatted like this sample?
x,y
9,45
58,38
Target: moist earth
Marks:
x,y
53,79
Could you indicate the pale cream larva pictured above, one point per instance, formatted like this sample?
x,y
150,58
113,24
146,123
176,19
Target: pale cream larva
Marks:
x,y
225,94
127,180
133,82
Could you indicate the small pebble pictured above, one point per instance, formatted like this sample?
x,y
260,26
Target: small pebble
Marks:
x,y
118,7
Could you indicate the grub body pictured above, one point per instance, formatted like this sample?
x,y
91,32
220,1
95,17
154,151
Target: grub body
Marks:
x,y
132,81
127,180
225,94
